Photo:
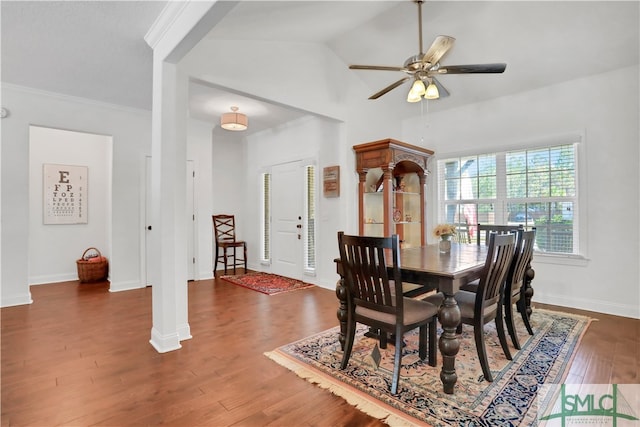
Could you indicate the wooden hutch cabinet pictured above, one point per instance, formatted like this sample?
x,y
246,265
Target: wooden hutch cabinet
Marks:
x,y
391,191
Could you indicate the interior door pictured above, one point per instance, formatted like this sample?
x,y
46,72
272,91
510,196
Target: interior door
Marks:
x,y
148,221
190,220
286,213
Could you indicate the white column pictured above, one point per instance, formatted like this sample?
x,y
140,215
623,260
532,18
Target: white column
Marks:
x,y
179,27
168,243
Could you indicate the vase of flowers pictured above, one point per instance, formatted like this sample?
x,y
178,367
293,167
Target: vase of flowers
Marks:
x,y
444,232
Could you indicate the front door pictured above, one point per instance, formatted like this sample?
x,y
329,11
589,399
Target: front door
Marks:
x,y
287,209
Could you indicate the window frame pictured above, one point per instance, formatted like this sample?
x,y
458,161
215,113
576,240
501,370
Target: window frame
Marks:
x,y
580,255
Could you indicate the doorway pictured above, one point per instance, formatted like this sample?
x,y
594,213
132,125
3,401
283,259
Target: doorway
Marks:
x,y
287,209
190,219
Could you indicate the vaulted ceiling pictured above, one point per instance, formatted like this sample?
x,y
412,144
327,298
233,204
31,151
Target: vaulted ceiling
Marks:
x,y
96,49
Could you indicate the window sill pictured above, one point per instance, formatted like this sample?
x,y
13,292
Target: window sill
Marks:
x,y
574,260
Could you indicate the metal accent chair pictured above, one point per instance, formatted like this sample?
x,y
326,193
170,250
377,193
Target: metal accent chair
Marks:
x,y
226,244
480,307
374,298
514,287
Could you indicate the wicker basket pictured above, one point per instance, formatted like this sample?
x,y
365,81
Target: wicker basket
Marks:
x,y
92,268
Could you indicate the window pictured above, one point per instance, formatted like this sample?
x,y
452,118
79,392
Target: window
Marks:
x,y
534,187
310,219
265,218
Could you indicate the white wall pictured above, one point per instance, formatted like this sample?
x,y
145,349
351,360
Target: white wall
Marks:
x,y
229,175
605,108
301,139
224,63
131,132
50,245
328,143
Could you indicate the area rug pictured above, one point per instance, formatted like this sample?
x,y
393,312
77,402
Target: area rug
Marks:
x,y
267,283
510,400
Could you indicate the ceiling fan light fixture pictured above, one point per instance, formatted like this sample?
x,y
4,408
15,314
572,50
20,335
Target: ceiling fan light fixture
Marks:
x,y
432,92
418,87
413,97
416,91
234,121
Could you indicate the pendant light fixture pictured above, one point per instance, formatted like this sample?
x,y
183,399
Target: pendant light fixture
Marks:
x,y
234,121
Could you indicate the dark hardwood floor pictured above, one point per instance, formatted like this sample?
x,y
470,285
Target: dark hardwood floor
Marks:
x,y
80,355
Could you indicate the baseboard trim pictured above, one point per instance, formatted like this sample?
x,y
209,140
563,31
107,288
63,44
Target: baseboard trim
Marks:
x,y
624,310
125,286
164,343
17,300
52,278
184,332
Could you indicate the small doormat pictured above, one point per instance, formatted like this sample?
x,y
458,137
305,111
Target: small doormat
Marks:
x,y
270,284
509,401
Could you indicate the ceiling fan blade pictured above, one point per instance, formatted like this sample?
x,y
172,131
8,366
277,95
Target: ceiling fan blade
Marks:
x,y
438,48
375,67
472,69
441,90
389,88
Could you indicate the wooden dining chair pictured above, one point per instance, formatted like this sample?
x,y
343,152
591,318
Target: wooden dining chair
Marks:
x,y
486,304
224,227
514,286
482,238
375,298
483,230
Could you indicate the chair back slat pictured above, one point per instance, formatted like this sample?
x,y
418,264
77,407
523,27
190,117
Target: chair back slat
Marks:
x,y
366,271
483,231
499,259
224,227
521,260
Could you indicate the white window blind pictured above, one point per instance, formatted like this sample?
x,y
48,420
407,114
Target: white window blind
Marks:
x,y
533,187
310,218
266,218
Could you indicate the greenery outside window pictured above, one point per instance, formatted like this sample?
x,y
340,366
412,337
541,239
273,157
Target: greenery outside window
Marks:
x,y
534,187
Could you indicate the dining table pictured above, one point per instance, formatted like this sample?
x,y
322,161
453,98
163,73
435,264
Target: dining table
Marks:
x,y
431,269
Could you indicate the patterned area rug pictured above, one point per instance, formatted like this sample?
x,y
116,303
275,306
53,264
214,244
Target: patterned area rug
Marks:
x,y
267,283
510,400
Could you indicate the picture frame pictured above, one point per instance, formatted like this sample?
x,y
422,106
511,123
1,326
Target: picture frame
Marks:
x,y
331,181
65,194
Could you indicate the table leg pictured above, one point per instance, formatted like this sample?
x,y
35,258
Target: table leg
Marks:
x,y
341,293
528,290
449,345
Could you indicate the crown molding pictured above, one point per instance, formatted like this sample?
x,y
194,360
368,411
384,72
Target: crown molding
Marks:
x,y
164,21
71,98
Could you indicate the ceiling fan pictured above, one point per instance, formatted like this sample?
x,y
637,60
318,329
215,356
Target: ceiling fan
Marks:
x,y
423,67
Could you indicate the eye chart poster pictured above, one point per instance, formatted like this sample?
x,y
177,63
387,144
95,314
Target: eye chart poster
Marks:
x,y
65,194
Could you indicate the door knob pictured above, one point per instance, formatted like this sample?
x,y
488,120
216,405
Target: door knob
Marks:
x,y
149,227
